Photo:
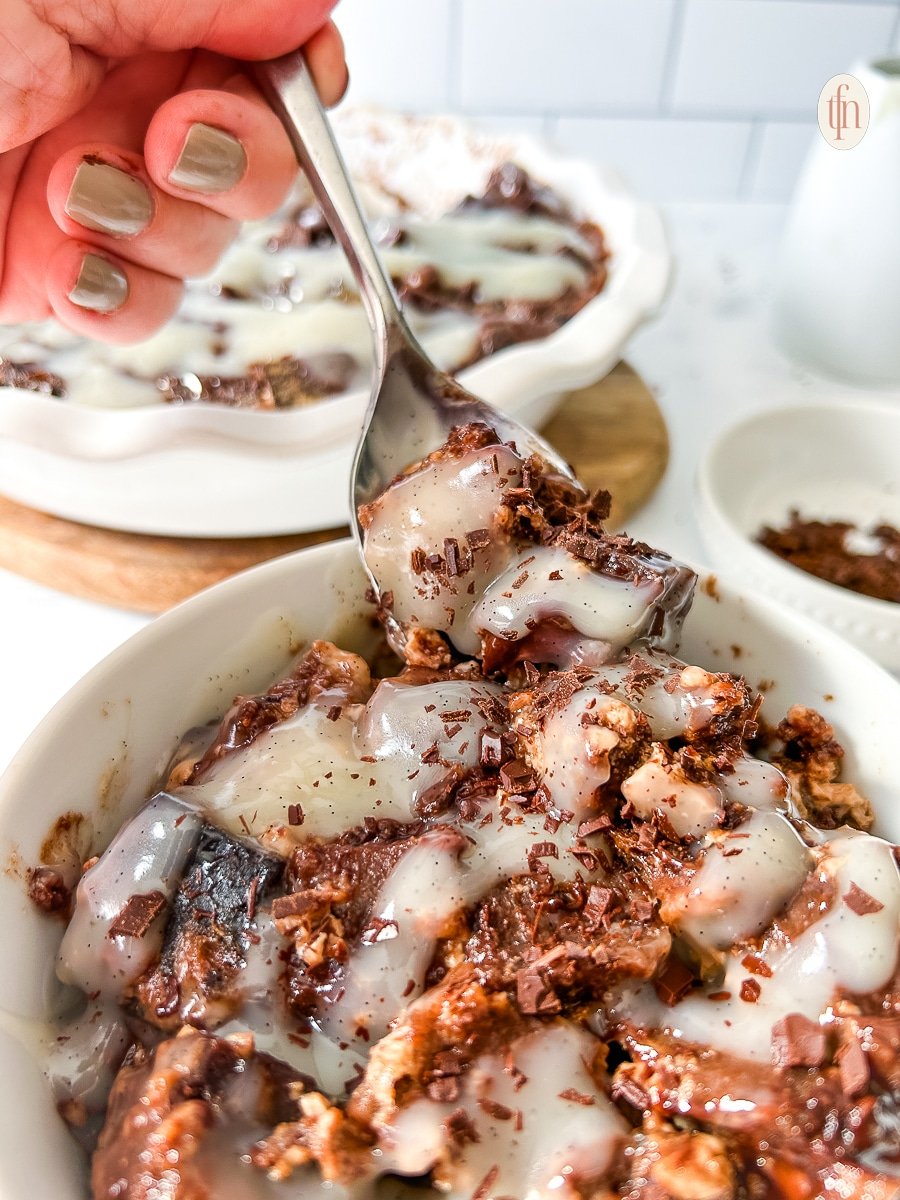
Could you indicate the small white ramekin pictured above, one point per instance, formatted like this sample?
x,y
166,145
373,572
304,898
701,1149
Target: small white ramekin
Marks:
x,y
831,462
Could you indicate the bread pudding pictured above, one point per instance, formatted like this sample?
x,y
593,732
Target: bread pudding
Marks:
x,y
524,906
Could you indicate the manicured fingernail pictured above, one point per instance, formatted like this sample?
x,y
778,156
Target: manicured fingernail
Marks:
x,y
211,160
108,200
101,286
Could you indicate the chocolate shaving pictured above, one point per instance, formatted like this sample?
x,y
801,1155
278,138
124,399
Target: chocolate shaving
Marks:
x,y
494,1109
137,915
861,902
484,1188
756,965
379,930
595,825
798,1042
854,1068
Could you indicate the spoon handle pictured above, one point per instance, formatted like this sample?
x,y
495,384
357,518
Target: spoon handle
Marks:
x,y
289,88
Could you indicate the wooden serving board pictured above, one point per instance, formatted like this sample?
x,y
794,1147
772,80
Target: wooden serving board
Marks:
x,y
612,432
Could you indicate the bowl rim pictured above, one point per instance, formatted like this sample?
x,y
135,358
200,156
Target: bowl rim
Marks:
x,y
767,563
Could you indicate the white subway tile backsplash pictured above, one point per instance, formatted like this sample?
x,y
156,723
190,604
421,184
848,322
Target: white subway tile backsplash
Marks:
x,y
398,52
783,149
772,56
567,55
497,123
691,99
664,158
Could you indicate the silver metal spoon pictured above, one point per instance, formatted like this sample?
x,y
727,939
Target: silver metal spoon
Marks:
x,y
413,404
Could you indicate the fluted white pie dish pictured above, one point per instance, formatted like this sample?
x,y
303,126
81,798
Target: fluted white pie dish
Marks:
x,y
103,746
204,470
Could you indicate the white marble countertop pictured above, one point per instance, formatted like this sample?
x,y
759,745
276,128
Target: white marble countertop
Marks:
x,y
710,357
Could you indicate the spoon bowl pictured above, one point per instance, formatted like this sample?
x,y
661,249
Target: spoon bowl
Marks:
x,y
413,405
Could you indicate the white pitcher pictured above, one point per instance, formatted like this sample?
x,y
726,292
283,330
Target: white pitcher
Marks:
x,y
837,303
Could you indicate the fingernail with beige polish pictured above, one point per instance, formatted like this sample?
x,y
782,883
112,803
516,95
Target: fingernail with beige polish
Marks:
x,y
211,160
101,286
108,200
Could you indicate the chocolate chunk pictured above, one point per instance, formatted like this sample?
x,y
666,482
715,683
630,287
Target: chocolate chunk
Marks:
x,y
491,748
437,798
478,539
854,1067
750,991
861,902
544,850
674,982
137,915
517,776
297,904
756,965
459,1127
598,904
447,1062
295,815
530,990
452,557
30,377
798,1042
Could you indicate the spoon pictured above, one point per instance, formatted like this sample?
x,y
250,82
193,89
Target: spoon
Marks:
x,y
413,405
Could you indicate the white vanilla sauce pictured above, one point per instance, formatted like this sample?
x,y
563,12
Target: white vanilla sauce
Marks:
x,y
842,951
320,763
747,877
431,882
549,1143
148,854
506,256
658,786
447,500
612,611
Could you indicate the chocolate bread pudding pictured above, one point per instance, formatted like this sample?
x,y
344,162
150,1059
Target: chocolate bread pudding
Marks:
x,y
534,910
279,322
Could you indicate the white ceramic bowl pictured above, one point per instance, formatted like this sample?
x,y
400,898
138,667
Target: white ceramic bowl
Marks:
x,y
105,743
832,462
202,470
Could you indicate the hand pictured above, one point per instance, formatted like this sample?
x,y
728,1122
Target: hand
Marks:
x,y
132,143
